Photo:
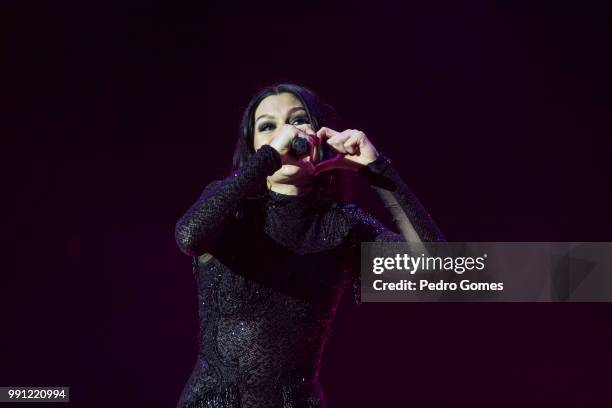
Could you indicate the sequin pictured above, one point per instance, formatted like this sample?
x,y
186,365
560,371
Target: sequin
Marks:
x,y
270,272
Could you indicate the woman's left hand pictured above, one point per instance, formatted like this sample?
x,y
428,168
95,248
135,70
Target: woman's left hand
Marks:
x,y
354,150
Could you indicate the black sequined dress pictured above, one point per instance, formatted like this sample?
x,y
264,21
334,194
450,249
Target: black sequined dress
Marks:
x,y
269,281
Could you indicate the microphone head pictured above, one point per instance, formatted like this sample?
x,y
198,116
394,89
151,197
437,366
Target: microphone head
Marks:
x,y
300,146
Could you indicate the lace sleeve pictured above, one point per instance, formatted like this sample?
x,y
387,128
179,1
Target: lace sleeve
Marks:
x,y
410,217
198,230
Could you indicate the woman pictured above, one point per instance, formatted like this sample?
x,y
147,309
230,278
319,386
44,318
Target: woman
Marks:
x,y
274,246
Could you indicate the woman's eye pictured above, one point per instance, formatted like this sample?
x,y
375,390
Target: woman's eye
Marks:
x,y
300,120
265,126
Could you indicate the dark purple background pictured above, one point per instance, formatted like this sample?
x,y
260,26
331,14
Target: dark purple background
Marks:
x,y
117,114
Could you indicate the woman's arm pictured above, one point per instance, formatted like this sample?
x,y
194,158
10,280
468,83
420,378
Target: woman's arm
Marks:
x,y
412,220
198,229
355,151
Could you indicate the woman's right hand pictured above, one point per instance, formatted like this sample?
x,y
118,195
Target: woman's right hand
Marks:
x,y
282,141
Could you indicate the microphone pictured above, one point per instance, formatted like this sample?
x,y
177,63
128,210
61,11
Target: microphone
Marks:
x,y
300,146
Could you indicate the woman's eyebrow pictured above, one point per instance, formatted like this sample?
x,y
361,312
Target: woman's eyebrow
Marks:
x,y
295,108
289,112
264,116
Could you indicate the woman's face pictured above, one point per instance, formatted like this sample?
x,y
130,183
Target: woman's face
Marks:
x,y
273,112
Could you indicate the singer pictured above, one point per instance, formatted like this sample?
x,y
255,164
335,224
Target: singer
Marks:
x,y
273,247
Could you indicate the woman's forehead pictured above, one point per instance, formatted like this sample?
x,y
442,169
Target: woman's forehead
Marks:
x,y
277,104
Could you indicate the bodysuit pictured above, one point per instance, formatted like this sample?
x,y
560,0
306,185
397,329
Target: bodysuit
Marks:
x,y
270,271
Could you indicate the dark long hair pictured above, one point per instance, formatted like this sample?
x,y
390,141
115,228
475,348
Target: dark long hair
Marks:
x,y
332,183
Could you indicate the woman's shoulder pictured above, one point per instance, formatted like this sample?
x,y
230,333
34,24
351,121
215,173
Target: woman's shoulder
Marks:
x,y
356,218
211,186
345,206
225,185
349,211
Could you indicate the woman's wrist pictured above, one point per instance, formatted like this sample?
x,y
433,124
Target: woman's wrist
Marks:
x,y
273,155
378,165
377,173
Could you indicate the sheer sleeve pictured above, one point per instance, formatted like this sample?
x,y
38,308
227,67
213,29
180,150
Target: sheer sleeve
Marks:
x,y
198,230
411,219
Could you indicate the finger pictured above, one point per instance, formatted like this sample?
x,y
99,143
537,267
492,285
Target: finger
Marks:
x,y
342,136
325,133
293,132
337,141
351,144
